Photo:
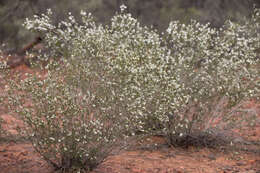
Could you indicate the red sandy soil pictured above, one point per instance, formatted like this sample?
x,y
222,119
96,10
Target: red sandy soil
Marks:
x,y
146,155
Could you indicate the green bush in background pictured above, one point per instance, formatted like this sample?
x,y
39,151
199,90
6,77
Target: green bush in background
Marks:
x,y
152,12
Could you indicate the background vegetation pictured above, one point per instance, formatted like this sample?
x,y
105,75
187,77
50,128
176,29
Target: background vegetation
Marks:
x,y
148,12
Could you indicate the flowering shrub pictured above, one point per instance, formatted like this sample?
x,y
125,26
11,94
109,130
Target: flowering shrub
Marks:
x,y
128,77
210,66
70,118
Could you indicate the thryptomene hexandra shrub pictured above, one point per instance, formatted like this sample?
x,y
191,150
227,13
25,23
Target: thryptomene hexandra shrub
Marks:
x,y
130,78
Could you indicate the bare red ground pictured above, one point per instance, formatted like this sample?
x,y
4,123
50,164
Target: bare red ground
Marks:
x,y
149,155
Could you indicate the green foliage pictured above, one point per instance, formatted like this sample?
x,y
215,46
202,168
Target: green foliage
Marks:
x,y
129,78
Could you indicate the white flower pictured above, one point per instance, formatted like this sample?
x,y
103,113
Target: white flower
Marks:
x,y
123,8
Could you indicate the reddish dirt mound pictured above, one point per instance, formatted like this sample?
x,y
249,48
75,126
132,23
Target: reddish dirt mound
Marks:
x,y
21,158
148,155
169,160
